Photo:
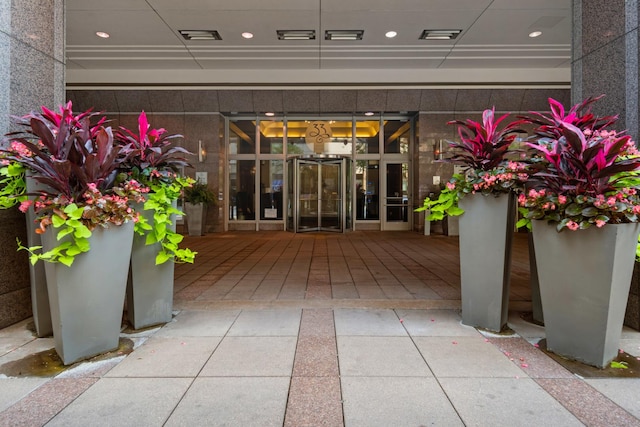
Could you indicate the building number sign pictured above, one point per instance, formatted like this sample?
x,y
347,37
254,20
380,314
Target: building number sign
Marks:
x,y
317,133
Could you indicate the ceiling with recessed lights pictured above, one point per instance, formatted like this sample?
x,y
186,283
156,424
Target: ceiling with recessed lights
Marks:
x,y
147,43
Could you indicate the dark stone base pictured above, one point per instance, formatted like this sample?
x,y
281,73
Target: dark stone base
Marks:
x,y
15,289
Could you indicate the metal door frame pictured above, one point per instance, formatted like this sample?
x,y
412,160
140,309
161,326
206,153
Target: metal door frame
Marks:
x,y
385,224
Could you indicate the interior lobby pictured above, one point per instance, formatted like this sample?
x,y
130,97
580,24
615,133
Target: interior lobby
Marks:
x,y
319,125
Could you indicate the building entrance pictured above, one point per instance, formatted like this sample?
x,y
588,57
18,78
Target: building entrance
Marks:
x,y
317,188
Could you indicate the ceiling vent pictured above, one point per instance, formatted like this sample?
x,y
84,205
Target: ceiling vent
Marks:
x,y
296,34
200,34
343,34
439,34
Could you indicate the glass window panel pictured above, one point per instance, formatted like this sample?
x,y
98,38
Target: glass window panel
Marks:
x,y
271,136
368,137
242,137
271,181
396,136
242,189
319,137
367,185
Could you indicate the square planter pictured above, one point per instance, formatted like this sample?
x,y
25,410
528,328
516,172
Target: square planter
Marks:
x,y
584,285
486,236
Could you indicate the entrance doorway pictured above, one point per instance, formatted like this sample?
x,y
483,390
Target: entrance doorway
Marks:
x,y
316,194
397,200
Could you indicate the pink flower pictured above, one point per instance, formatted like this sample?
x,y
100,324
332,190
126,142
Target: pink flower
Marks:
x,y
611,201
562,199
24,206
572,225
522,199
451,186
600,223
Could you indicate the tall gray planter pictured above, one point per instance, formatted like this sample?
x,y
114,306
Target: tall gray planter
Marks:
x,y
486,236
534,283
584,284
150,286
196,215
39,295
87,298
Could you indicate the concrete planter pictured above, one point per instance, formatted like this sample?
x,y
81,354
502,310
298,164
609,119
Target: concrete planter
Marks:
x,y
486,236
150,286
584,284
196,218
39,295
87,298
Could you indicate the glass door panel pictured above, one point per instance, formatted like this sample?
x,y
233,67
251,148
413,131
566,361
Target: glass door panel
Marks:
x,y
331,196
308,195
397,203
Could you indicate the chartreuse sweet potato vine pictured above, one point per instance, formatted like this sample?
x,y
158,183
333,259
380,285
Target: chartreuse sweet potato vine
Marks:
x,y
160,201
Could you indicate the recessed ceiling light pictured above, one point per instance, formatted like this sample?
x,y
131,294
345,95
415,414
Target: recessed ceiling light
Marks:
x,y
369,113
296,34
200,34
343,34
439,34
102,34
270,114
247,35
390,34
534,34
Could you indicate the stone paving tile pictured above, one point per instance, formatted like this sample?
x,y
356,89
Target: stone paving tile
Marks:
x,y
432,323
124,401
199,323
465,357
390,401
167,357
368,322
530,359
316,356
505,402
314,401
45,402
623,391
14,389
380,356
31,347
266,323
252,357
590,406
245,402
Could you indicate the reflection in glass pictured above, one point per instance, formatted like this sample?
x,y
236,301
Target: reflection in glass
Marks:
x,y
368,137
242,135
367,183
242,189
271,137
271,181
396,136
397,192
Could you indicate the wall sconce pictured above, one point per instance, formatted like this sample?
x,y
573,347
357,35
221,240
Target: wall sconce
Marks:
x,y
437,150
202,152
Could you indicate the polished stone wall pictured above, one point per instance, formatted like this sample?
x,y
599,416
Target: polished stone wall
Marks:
x,y
194,113
31,74
605,58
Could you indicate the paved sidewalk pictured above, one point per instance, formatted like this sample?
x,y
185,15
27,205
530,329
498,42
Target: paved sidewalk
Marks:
x,y
238,357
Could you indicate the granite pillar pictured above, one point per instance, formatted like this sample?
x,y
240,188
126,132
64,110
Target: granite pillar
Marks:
x,y
605,58
31,74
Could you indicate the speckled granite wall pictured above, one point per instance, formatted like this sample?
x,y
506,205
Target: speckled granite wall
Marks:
x,y
605,58
31,74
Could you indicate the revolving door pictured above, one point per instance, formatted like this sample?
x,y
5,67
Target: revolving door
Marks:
x,y
316,190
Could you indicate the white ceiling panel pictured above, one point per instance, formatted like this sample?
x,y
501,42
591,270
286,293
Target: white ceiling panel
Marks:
x,y
144,36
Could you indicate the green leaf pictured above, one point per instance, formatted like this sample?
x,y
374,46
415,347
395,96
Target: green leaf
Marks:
x,y
573,209
83,244
162,257
57,221
590,211
66,260
455,211
619,365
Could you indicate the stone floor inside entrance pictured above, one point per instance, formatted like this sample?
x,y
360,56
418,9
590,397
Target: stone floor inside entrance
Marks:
x,y
354,329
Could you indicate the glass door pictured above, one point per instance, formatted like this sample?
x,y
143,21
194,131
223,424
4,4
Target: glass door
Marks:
x,y
397,201
319,194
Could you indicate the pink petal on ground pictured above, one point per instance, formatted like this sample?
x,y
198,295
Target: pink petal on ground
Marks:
x,y
524,365
454,342
401,320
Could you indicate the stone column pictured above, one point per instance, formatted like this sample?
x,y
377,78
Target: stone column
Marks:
x,y
31,74
605,58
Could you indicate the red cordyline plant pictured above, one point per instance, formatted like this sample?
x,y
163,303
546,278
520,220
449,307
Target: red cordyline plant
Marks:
x,y
583,174
77,164
484,150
